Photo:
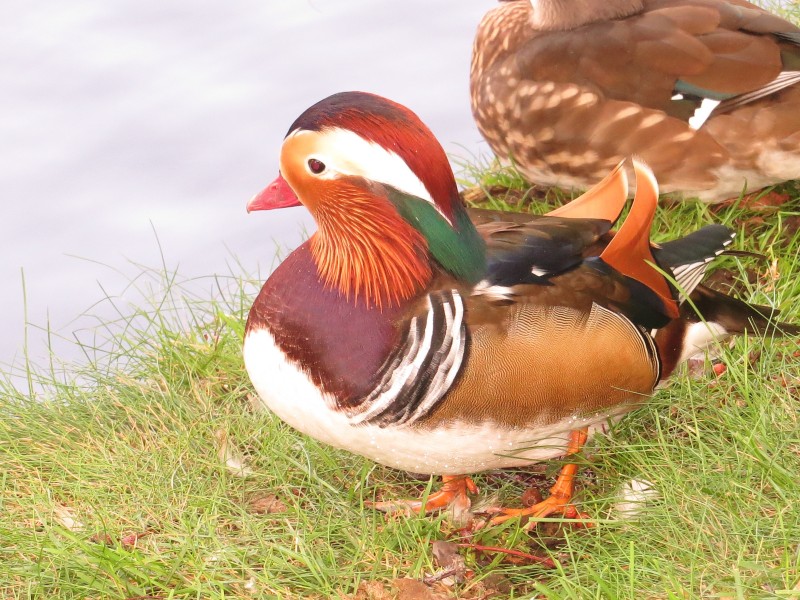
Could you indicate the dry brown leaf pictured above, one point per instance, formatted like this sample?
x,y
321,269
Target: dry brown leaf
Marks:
x,y
266,505
255,403
765,201
772,276
65,516
371,590
445,554
414,589
452,567
531,496
129,540
102,538
230,456
496,584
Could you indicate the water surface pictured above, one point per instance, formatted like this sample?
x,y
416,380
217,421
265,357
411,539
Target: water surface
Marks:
x,y
126,120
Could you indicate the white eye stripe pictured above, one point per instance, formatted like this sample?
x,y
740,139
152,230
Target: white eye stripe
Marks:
x,y
346,153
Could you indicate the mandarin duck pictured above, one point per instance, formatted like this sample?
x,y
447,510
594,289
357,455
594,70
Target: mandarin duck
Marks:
x,y
402,332
706,92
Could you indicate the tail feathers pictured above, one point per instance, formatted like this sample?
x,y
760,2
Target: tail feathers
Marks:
x,y
722,317
700,246
745,254
735,316
689,256
784,80
789,36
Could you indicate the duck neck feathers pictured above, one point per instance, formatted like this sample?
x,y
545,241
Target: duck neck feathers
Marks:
x,y
365,249
383,246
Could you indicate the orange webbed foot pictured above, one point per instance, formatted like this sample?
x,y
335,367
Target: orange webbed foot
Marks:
x,y
558,503
555,504
454,494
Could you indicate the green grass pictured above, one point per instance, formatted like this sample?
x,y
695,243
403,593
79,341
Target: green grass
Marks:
x,y
114,481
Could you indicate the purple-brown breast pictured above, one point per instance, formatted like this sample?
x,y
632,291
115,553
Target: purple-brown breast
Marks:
x,y
339,341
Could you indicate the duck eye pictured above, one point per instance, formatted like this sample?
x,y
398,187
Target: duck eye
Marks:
x,y
316,166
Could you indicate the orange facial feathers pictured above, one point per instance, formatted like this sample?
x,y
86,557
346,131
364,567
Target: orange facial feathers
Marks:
x,y
365,249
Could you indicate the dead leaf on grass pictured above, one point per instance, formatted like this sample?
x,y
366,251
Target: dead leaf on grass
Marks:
x,y
414,589
405,588
129,540
65,516
452,566
256,405
230,455
496,584
765,201
102,538
531,496
266,505
371,590
772,276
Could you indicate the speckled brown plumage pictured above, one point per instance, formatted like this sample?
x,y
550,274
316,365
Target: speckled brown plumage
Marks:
x,y
568,98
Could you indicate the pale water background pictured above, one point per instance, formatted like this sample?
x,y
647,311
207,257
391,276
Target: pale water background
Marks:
x,y
123,120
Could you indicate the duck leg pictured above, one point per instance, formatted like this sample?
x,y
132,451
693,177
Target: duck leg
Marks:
x,y
454,492
560,494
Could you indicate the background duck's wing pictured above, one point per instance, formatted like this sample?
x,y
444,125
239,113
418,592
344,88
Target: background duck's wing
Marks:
x,y
717,50
584,98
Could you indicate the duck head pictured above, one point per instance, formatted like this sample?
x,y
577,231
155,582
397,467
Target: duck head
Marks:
x,y
383,195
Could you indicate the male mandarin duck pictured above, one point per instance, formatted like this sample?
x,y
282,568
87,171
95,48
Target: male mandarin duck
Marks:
x,y
401,332
707,92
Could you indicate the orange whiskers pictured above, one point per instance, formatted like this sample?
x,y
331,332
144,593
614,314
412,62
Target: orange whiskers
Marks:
x,y
365,249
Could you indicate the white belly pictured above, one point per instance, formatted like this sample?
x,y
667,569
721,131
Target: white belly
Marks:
x,y
461,448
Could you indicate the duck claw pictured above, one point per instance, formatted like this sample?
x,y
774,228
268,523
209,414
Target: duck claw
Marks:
x,y
453,495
